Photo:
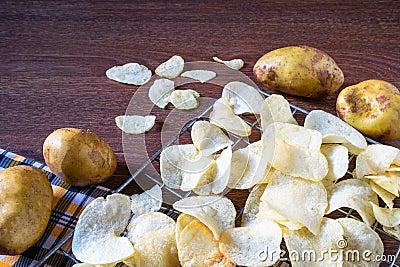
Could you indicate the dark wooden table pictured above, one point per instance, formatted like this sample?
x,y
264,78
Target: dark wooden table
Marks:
x,y
54,54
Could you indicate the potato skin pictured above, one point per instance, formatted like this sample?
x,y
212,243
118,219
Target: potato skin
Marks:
x,y
79,157
372,107
299,70
26,198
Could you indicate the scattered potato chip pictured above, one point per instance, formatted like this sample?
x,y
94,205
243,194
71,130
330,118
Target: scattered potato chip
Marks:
x,y
171,68
197,180
355,194
182,221
334,130
394,231
298,200
243,245
160,92
338,162
134,124
266,212
223,171
222,116
360,237
388,181
243,97
275,109
386,196
97,237
147,201
386,217
130,73
216,212
184,99
199,75
252,205
235,64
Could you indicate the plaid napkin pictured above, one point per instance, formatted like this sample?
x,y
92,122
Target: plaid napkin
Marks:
x,y
68,204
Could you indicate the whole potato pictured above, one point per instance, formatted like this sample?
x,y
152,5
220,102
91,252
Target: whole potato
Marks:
x,y
79,157
372,107
26,197
299,70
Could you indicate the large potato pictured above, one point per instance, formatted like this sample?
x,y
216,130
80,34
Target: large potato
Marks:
x,y
79,157
372,107
299,70
26,197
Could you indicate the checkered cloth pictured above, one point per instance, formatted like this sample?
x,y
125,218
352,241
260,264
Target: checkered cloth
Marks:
x,y
68,204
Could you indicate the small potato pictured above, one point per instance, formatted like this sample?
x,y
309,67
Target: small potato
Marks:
x,y
79,157
372,107
299,70
26,197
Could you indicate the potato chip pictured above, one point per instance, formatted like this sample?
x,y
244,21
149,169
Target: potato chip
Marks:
x,y
388,181
182,221
84,264
252,205
223,171
396,161
275,109
334,130
184,99
243,97
97,237
200,181
266,212
386,217
134,124
298,200
160,92
222,116
394,231
216,212
355,194
130,73
199,75
147,201
360,237
235,64
394,168
338,162
198,247
386,196
248,245
309,250
171,68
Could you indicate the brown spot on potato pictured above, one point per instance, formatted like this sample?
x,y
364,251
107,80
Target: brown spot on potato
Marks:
x,y
325,78
317,58
271,74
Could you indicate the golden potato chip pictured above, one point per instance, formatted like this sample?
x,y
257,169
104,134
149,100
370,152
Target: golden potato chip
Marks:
x,y
386,196
199,75
388,181
182,221
200,182
394,231
160,92
386,217
396,160
248,245
266,212
235,64
130,73
216,212
171,68
97,237
355,194
147,201
338,162
184,99
134,124
275,109
252,205
394,168
243,97
298,200
198,247
222,116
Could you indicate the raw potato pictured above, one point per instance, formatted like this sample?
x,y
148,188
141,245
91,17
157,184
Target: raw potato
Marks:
x,y
26,197
79,157
171,68
184,99
130,73
160,91
299,70
199,75
134,124
235,64
372,107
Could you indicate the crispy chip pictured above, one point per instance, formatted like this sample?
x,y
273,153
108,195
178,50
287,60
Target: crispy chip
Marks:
x,y
394,231
252,205
97,237
184,99
275,109
199,75
182,221
386,196
243,97
130,73
160,92
200,181
266,212
235,64
222,116
338,162
394,168
134,124
171,68
147,201
388,181
386,217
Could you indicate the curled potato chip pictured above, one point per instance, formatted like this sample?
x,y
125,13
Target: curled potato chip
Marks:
x,y
171,68
388,181
184,99
134,124
182,221
222,116
243,97
198,180
251,208
216,212
199,75
386,217
130,73
235,64
394,231
266,212
244,245
298,200
160,92
334,130
275,109
97,237
147,201
386,196
355,194
338,163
